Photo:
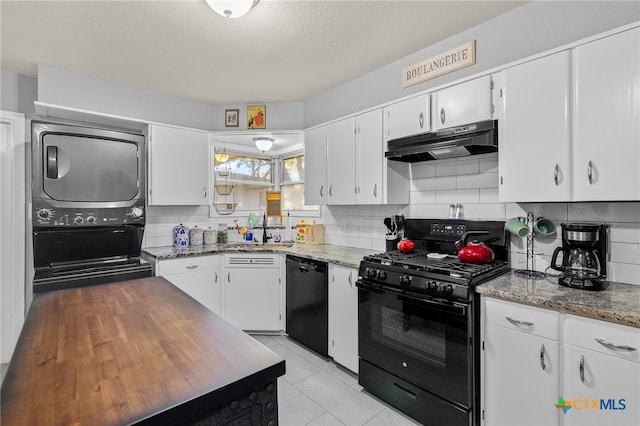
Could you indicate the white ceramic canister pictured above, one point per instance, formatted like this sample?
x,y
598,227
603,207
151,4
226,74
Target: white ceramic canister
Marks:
x,y
180,236
195,236
209,236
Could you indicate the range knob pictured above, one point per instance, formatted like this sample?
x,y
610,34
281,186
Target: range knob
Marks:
x,y
78,220
91,219
370,273
405,280
136,212
447,289
381,275
431,286
44,214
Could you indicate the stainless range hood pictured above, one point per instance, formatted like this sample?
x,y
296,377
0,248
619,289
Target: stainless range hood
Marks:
x,y
472,139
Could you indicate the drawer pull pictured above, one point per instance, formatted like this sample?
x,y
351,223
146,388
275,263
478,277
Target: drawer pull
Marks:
x,y
544,367
519,322
191,267
582,368
614,346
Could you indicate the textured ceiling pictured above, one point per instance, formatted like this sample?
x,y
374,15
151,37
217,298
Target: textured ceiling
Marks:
x,y
280,51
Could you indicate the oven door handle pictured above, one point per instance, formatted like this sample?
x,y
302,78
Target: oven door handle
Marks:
x,y
370,287
450,308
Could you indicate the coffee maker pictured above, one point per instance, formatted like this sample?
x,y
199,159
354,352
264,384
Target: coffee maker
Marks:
x,y
584,256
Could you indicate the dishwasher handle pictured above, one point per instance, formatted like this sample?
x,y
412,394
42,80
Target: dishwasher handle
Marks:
x,y
306,265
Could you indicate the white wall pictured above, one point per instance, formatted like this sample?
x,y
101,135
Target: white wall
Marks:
x,y
61,87
533,28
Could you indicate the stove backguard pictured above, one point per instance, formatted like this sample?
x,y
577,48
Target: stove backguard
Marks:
x,y
440,235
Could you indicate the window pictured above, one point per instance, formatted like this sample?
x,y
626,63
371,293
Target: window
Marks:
x,y
292,184
241,182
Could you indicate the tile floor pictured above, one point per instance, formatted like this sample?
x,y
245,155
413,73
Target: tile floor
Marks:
x,y
316,392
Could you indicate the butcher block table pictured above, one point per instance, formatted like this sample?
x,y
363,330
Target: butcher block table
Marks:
x,y
136,352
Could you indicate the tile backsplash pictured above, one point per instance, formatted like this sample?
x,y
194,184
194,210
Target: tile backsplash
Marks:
x,y
472,182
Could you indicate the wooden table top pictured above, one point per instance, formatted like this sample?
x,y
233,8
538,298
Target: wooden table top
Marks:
x,y
123,352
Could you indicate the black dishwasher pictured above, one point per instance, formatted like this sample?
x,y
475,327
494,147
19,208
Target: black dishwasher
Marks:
x,y
308,303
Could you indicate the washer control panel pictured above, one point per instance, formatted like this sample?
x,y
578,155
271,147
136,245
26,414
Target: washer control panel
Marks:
x,y
46,215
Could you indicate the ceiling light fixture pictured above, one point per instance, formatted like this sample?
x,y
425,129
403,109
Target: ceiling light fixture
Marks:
x,y
231,8
263,143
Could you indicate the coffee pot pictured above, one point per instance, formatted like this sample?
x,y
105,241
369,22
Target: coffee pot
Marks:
x,y
583,256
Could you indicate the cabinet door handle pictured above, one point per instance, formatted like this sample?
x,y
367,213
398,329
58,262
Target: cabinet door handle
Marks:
x,y
421,120
519,322
544,367
590,173
204,190
350,279
375,190
443,116
191,267
331,190
582,368
556,171
215,280
322,190
229,276
615,346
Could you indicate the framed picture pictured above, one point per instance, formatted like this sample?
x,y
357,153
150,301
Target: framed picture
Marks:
x,y
231,117
256,117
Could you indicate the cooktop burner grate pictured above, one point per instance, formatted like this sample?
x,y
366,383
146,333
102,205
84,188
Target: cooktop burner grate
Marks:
x,y
449,266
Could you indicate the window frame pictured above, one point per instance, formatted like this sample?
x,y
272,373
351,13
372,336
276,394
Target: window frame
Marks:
x,y
277,166
314,212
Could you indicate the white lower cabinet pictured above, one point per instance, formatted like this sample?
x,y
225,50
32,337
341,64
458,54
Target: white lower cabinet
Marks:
x,y
601,373
529,373
252,291
521,365
343,316
199,277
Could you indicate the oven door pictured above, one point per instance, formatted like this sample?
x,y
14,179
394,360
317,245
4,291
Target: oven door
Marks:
x,y
423,341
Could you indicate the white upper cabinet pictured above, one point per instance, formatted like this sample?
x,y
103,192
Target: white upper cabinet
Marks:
x,y
464,103
535,132
607,127
369,157
341,162
178,166
406,118
315,174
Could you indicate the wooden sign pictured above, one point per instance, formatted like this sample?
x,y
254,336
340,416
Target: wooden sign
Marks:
x,y
444,63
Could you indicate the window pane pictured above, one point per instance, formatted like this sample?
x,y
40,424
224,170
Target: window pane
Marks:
x,y
242,181
251,197
243,168
293,169
293,198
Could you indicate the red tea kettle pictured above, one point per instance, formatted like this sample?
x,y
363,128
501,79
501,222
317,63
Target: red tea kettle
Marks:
x,y
474,252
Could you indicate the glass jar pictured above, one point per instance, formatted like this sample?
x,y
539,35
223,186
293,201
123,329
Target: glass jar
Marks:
x,y
222,237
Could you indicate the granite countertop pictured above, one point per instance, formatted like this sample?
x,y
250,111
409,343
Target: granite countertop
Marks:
x,y
619,303
339,255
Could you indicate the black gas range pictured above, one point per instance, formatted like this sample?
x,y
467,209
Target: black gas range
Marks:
x,y
419,320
